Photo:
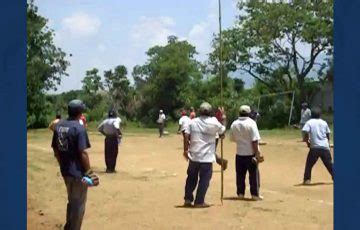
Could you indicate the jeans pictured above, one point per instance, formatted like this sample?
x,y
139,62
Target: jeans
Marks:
x,y
244,164
312,158
76,191
195,171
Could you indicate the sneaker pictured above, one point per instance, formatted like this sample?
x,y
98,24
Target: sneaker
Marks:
x,y
257,198
187,203
203,205
307,182
241,196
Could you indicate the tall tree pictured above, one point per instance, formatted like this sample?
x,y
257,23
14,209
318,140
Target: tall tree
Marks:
x,y
92,82
45,63
279,43
167,75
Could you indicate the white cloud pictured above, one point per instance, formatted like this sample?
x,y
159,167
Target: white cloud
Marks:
x,y
81,25
150,31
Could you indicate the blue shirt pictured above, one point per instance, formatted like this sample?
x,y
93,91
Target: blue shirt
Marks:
x,y
70,139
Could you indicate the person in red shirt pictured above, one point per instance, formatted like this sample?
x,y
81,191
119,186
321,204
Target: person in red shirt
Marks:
x,y
83,120
192,113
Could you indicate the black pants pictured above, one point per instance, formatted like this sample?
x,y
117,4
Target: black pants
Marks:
x,y
312,158
244,164
161,129
195,171
111,152
76,191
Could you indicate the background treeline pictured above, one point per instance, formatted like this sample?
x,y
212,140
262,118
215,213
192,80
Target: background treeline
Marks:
x,y
266,42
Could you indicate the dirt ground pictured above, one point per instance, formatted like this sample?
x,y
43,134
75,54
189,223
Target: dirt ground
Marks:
x,y
148,188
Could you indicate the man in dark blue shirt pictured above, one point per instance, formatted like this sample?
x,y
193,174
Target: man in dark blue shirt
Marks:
x,y
70,140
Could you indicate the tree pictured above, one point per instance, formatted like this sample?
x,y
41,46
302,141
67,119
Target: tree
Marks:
x,y
45,64
269,41
118,87
166,77
92,82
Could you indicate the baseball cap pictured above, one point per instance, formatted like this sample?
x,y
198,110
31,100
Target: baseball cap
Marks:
x,y
245,109
205,106
161,111
75,107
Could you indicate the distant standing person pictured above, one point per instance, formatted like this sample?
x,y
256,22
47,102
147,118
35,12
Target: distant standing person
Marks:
x,y
305,115
110,128
183,121
54,122
70,141
161,122
245,134
317,137
192,113
254,115
199,150
82,121
221,117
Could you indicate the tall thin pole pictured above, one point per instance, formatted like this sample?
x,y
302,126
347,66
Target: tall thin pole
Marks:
x,y
292,106
221,100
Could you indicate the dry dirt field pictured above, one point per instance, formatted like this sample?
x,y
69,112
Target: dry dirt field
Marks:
x,y
148,188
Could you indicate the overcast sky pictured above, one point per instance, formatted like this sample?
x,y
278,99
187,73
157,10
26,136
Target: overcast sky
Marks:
x,y
104,34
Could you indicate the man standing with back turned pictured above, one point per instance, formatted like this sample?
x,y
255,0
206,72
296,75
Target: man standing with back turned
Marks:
x,y
199,149
317,135
245,134
110,128
70,140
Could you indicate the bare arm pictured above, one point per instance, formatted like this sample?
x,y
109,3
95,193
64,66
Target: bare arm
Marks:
x,y
186,145
84,159
255,147
307,139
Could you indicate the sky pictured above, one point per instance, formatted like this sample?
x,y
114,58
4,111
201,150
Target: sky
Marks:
x,y
104,34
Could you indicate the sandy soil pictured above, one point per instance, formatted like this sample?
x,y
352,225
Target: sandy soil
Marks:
x,y
148,189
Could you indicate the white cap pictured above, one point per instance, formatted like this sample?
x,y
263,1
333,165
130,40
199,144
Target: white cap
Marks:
x,y
245,109
205,106
161,111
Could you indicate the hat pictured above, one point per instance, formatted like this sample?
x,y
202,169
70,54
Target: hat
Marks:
x,y
76,104
161,111
205,107
245,109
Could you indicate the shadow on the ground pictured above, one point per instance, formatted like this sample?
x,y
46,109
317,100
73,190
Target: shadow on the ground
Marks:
x,y
235,198
314,184
193,207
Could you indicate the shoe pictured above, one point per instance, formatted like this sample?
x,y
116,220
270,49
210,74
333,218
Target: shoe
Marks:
x,y
257,198
307,182
203,205
241,196
187,203
110,171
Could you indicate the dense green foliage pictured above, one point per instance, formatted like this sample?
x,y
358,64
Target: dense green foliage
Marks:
x,y
267,42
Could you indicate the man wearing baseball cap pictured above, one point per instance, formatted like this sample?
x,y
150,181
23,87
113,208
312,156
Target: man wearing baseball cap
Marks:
x,y
199,150
69,142
161,121
245,133
110,128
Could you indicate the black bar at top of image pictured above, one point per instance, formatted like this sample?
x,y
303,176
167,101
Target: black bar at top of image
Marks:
x,y
13,114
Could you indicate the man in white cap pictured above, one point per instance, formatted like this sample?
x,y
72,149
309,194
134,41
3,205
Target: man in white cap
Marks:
x,y
245,133
199,149
305,116
161,121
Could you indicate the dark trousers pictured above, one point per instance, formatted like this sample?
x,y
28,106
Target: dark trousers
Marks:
x,y
196,171
244,164
111,152
312,158
161,129
76,191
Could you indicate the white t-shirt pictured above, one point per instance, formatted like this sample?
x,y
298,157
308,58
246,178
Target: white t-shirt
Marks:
x,y
244,131
161,118
202,132
305,115
317,129
110,125
183,121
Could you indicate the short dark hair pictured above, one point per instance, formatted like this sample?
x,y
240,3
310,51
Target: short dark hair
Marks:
x,y
112,113
58,116
315,112
243,114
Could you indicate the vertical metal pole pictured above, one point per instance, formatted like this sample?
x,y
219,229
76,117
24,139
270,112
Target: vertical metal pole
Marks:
x,y
258,106
292,106
221,100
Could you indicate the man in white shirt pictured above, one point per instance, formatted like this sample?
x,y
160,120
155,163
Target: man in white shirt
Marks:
x,y
305,115
161,121
317,136
110,128
183,121
245,133
199,149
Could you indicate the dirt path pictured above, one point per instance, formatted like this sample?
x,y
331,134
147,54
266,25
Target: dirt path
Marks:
x,y
149,186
